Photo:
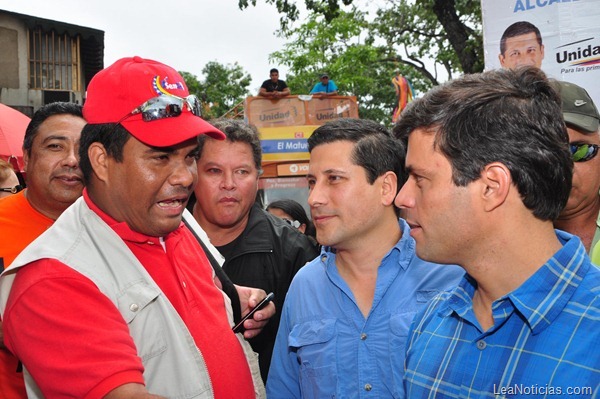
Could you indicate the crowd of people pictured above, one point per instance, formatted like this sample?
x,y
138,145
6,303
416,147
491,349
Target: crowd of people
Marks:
x,y
447,258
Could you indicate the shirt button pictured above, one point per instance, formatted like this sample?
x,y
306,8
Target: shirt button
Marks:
x,y
481,345
134,307
184,284
323,258
363,336
368,387
150,243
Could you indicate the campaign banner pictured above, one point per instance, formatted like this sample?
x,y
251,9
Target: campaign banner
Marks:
x,y
569,32
266,112
321,110
286,143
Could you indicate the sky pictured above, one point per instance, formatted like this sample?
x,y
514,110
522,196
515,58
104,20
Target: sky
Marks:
x,y
184,34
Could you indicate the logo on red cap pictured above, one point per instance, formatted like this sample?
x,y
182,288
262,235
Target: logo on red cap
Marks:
x,y
161,87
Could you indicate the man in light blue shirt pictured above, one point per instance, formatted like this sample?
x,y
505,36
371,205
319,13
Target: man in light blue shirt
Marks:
x,y
346,315
325,87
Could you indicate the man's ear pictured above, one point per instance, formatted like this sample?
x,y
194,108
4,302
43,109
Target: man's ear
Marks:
x,y
25,160
389,187
99,160
501,59
496,184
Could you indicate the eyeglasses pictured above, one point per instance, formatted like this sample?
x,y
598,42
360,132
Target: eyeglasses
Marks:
x,y
293,223
583,152
12,190
167,106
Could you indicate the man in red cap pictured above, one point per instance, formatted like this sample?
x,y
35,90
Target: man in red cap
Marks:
x,y
117,299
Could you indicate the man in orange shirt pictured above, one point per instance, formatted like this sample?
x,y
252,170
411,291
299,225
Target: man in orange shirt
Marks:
x,y
54,182
53,177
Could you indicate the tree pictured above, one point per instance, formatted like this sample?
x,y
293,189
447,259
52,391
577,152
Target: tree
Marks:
x,y
460,20
222,88
427,41
350,60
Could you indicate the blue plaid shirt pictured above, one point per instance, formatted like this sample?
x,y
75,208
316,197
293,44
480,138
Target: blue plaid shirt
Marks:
x,y
545,342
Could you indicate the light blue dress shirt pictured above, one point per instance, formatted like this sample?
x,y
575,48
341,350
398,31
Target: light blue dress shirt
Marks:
x,y
325,347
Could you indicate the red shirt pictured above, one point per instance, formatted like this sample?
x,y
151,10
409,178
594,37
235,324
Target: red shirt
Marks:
x,y
20,224
74,341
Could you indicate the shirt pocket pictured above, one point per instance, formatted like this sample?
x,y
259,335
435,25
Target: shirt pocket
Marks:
x,y
315,346
424,296
399,325
138,306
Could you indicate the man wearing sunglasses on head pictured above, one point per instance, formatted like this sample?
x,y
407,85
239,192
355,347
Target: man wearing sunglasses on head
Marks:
x,y
581,215
139,313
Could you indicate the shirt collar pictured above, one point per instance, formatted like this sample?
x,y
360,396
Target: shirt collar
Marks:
x,y
545,294
404,250
460,299
121,228
542,297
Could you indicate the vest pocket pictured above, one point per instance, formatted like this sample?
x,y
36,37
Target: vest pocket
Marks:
x,y
139,307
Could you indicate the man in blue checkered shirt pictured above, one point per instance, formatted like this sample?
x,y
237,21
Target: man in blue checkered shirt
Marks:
x,y
489,170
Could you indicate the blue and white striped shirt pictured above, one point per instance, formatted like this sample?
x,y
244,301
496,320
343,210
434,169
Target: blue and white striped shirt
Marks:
x,y
545,342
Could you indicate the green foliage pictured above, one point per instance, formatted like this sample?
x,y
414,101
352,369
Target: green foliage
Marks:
x,y
328,8
222,88
427,41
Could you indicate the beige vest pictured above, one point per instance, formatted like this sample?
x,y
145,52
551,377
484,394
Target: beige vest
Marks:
x,y
174,366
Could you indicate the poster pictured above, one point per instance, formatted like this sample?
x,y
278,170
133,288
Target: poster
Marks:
x,y
569,31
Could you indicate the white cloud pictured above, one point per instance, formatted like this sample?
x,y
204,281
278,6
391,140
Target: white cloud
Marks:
x,y
184,34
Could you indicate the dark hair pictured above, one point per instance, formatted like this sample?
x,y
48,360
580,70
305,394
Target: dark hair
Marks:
x,y
273,70
112,136
507,116
237,131
45,112
295,210
375,149
518,29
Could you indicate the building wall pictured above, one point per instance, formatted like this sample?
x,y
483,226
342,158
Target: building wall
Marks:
x,y
13,66
14,79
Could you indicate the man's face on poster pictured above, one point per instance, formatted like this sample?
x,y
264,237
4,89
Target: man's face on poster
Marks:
x,y
523,50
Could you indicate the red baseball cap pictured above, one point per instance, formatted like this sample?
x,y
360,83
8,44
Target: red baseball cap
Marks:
x,y
119,89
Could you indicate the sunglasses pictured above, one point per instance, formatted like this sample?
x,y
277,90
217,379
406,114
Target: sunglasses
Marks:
x,y
167,106
12,190
583,152
164,106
